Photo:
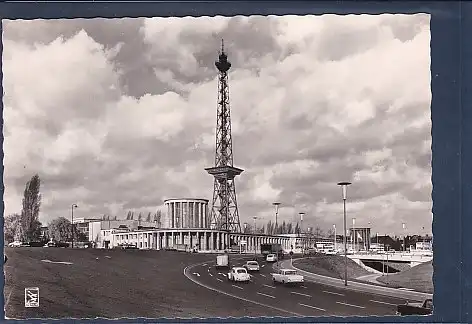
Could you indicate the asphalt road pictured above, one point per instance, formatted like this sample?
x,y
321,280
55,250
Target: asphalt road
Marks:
x,y
309,299
114,284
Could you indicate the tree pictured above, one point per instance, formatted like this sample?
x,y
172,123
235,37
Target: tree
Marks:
x,y
30,225
12,227
128,216
148,218
297,229
131,216
140,217
115,218
157,217
283,229
248,229
289,228
60,229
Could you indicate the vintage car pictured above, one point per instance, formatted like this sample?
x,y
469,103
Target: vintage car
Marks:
x,y
251,266
287,276
271,257
238,274
424,308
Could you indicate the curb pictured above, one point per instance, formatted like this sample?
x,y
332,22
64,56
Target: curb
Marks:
x,y
363,287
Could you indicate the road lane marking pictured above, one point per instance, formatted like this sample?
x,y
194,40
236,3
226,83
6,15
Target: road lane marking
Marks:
x,y
58,262
297,293
186,273
219,279
209,269
304,287
237,287
349,305
317,308
333,293
381,302
204,264
269,286
210,274
265,295
263,275
197,274
262,266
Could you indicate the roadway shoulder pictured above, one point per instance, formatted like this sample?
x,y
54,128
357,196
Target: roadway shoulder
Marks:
x,y
357,286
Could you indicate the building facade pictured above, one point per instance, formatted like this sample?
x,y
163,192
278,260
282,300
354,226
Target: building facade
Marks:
x,y
186,213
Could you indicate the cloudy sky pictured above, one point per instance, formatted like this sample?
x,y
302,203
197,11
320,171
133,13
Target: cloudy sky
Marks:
x,y
120,114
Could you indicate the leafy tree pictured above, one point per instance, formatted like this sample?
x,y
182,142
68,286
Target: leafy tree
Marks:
x,y
128,216
140,216
132,216
297,229
283,229
60,229
30,225
289,229
148,218
12,227
115,218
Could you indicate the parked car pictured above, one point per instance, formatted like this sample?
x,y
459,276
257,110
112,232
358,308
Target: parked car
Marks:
x,y
238,274
287,276
251,266
271,258
14,244
424,308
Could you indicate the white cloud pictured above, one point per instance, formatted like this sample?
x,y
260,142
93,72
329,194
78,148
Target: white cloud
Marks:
x,y
314,100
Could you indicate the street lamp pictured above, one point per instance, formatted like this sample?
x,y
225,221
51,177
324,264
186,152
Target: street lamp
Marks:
x,y
354,241
301,231
344,188
404,237
247,240
276,204
335,247
254,232
72,221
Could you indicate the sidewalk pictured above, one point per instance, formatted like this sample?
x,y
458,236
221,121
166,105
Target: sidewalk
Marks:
x,y
357,286
371,278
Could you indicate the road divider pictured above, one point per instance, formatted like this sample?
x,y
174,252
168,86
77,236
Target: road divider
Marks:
x,y
350,305
382,302
332,293
317,308
273,287
297,293
262,294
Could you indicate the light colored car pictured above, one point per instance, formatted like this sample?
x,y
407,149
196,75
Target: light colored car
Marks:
x,y
252,266
239,274
287,276
271,258
15,244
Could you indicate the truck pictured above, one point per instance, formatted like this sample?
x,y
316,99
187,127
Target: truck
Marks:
x,y
425,308
287,276
272,248
222,261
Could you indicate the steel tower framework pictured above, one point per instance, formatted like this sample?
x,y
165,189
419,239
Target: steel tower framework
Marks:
x,y
224,210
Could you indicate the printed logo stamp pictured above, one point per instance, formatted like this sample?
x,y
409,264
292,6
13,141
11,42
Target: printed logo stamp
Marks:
x,y
32,297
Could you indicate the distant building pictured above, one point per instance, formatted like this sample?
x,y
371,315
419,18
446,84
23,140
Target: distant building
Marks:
x,y
186,213
99,231
82,224
359,238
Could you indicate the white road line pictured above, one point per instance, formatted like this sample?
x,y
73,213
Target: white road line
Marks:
x,y
210,274
304,287
219,279
297,293
269,286
381,302
265,295
262,266
197,274
317,308
197,282
263,275
204,264
237,287
333,293
350,305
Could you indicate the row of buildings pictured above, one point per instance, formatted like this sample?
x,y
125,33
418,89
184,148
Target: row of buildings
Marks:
x,y
186,225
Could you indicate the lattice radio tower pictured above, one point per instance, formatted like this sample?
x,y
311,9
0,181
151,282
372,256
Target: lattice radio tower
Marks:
x,y
224,211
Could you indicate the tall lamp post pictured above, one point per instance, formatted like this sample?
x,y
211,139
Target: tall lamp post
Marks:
x,y
276,205
354,236
335,247
72,221
245,227
301,231
255,239
404,237
344,189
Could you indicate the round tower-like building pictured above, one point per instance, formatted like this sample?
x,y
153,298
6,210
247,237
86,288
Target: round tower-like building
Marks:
x,y
186,213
